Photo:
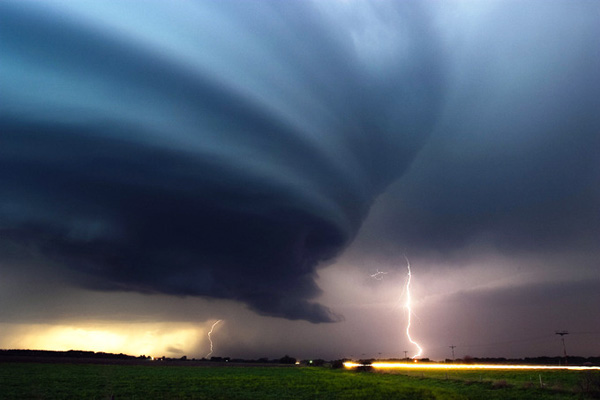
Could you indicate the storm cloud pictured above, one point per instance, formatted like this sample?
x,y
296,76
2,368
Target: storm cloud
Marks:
x,y
167,165
223,150
513,160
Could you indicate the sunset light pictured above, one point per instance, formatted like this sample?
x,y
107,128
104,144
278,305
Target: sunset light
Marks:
x,y
154,339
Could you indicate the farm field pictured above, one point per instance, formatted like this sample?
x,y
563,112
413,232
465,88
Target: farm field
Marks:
x,y
93,381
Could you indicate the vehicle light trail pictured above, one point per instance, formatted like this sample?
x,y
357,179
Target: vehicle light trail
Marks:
x,y
407,306
416,366
209,339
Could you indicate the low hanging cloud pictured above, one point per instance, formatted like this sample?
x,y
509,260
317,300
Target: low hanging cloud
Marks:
x,y
218,150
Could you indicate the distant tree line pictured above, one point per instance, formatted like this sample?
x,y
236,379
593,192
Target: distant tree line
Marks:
x,y
543,360
287,360
67,354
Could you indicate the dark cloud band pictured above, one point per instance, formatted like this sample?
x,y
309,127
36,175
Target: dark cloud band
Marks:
x,y
194,165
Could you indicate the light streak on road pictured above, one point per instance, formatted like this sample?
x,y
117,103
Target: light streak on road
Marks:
x,y
417,366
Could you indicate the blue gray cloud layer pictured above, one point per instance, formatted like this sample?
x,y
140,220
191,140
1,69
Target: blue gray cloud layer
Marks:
x,y
218,149
513,163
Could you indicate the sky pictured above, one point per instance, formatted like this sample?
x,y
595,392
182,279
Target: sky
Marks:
x,y
273,165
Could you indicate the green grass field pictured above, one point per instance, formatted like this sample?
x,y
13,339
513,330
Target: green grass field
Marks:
x,y
92,381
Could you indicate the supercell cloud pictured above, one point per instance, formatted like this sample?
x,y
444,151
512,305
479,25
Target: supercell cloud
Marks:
x,y
216,149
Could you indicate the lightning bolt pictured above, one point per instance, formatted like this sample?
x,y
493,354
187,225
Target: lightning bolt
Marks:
x,y
407,306
378,275
209,339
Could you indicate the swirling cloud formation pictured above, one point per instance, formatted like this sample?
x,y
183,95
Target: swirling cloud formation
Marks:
x,y
212,149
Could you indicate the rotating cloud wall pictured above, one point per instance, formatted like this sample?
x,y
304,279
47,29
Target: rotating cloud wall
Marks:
x,y
212,149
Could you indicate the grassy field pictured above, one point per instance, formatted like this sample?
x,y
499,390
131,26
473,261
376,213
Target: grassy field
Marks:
x,y
92,381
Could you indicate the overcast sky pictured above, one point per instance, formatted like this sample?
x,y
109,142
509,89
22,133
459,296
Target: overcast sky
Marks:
x,y
164,165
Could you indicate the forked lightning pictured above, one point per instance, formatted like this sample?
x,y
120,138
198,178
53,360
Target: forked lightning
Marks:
x,y
209,339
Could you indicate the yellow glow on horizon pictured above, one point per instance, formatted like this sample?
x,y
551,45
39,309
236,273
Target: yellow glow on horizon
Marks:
x,y
416,366
155,339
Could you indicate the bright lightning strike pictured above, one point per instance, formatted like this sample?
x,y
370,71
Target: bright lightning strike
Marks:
x,y
378,275
407,306
209,339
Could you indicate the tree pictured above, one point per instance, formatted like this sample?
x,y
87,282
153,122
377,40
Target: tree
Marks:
x,y
287,360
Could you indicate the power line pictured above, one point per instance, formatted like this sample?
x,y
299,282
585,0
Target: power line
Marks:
x,y
562,338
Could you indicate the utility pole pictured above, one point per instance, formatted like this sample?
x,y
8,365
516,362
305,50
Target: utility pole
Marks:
x,y
406,354
452,347
562,338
